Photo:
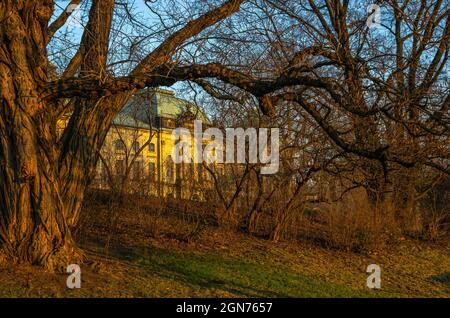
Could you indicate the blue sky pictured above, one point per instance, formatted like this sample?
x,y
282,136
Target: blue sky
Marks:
x,y
76,29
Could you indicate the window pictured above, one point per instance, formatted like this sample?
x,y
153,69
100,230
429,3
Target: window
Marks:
x,y
136,146
169,169
168,123
151,147
151,171
119,167
137,170
119,145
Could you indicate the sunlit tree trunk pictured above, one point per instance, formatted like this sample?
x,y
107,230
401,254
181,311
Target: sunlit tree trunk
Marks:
x,y
33,224
43,178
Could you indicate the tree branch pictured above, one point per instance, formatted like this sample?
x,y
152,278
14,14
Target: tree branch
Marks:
x,y
166,76
61,20
164,51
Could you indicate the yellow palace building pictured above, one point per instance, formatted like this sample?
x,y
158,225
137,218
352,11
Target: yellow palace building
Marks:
x,y
137,154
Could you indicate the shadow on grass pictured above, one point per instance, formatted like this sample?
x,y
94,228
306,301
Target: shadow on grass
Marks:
x,y
240,277
443,278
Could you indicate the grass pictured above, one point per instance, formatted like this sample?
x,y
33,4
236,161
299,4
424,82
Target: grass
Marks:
x,y
274,272
443,278
245,277
127,261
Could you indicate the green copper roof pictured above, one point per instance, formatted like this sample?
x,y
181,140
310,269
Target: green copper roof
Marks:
x,y
129,121
149,104
168,105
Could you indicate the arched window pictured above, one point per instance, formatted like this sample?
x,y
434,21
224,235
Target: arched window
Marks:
x,y
119,145
135,146
138,169
120,167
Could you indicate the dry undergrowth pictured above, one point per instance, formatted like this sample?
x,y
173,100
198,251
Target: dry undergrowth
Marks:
x,y
112,236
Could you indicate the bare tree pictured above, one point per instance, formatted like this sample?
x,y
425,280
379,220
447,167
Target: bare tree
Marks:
x,y
354,91
43,179
122,156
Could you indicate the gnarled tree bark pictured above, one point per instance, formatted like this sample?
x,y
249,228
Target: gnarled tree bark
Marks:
x,y
33,223
43,179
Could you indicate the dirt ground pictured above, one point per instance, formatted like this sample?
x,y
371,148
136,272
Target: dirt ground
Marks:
x,y
138,255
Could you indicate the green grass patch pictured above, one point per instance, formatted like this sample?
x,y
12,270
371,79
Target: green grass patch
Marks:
x,y
241,277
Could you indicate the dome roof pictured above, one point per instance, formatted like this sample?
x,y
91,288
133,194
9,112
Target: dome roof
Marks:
x,y
147,105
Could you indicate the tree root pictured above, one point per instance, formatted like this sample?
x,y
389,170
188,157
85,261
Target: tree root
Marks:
x,y
55,262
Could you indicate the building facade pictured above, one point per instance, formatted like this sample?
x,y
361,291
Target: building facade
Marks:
x,y
137,155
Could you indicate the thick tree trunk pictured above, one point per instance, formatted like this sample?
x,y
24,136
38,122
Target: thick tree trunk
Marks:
x,y
366,135
82,140
33,226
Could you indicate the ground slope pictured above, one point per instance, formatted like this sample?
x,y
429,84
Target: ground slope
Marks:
x,y
128,258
